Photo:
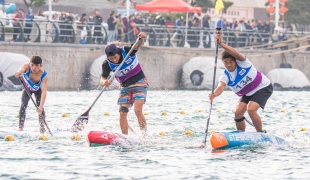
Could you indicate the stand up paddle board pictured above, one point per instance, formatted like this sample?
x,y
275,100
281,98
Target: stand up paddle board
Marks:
x,y
241,138
99,138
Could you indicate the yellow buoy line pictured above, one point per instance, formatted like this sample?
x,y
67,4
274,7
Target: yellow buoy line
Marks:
x,y
43,137
165,113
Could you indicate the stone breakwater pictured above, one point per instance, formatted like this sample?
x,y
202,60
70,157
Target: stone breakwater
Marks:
x,y
68,65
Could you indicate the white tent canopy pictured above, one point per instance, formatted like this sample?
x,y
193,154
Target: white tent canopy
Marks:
x,y
288,78
198,73
9,64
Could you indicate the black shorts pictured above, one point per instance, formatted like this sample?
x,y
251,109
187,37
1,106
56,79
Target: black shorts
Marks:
x,y
260,97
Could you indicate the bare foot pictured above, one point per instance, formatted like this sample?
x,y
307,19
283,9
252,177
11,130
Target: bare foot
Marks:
x,y
21,129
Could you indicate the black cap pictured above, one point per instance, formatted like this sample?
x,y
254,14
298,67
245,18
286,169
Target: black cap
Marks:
x,y
111,50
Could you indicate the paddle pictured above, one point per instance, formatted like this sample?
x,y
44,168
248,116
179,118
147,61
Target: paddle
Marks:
x,y
78,124
215,64
43,118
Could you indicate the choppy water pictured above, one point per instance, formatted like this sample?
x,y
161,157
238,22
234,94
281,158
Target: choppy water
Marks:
x,y
174,156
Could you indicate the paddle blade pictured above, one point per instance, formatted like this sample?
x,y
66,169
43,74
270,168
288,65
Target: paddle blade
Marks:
x,y
203,144
79,122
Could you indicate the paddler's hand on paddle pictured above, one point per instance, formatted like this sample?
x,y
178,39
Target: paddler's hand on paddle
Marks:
x,y
40,110
142,35
218,37
212,96
18,73
105,82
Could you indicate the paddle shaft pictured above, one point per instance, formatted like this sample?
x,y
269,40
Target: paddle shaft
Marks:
x,y
20,80
116,71
213,84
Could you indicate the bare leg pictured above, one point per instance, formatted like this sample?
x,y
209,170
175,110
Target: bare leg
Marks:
x,y
138,105
123,120
252,110
239,113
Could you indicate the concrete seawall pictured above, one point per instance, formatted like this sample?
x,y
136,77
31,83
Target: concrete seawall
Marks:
x,y
68,65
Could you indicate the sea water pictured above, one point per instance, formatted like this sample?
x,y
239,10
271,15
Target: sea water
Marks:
x,y
173,156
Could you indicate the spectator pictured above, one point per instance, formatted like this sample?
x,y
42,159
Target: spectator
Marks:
x,y
233,25
83,20
91,20
220,23
69,27
120,27
178,22
260,25
62,26
132,29
205,22
112,21
52,28
211,24
206,26
29,21
280,31
267,28
97,30
169,24
81,27
40,13
18,22
125,28
3,15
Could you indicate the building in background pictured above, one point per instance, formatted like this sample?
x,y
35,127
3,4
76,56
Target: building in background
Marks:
x,y
243,9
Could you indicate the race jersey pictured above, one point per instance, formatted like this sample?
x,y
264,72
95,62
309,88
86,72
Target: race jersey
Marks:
x,y
32,87
130,68
245,79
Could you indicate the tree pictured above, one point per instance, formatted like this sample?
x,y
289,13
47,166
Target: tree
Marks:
x,y
205,4
298,11
37,3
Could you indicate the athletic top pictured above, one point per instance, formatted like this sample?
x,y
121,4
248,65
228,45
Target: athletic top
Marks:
x,y
245,79
129,73
32,87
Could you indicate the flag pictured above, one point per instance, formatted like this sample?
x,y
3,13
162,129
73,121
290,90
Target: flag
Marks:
x,y
218,6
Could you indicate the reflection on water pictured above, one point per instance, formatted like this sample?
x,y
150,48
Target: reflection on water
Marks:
x,y
173,156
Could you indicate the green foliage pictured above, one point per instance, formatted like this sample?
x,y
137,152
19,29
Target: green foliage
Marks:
x,y
8,29
227,4
36,3
205,4
114,1
172,16
298,11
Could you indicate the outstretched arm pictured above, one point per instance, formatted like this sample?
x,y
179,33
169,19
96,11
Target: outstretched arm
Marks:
x,y
141,36
230,50
21,70
218,91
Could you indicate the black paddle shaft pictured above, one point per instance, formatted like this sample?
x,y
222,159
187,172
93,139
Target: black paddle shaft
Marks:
x,y
20,80
213,85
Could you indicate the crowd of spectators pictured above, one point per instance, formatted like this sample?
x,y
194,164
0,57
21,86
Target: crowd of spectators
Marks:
x,y
122,28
